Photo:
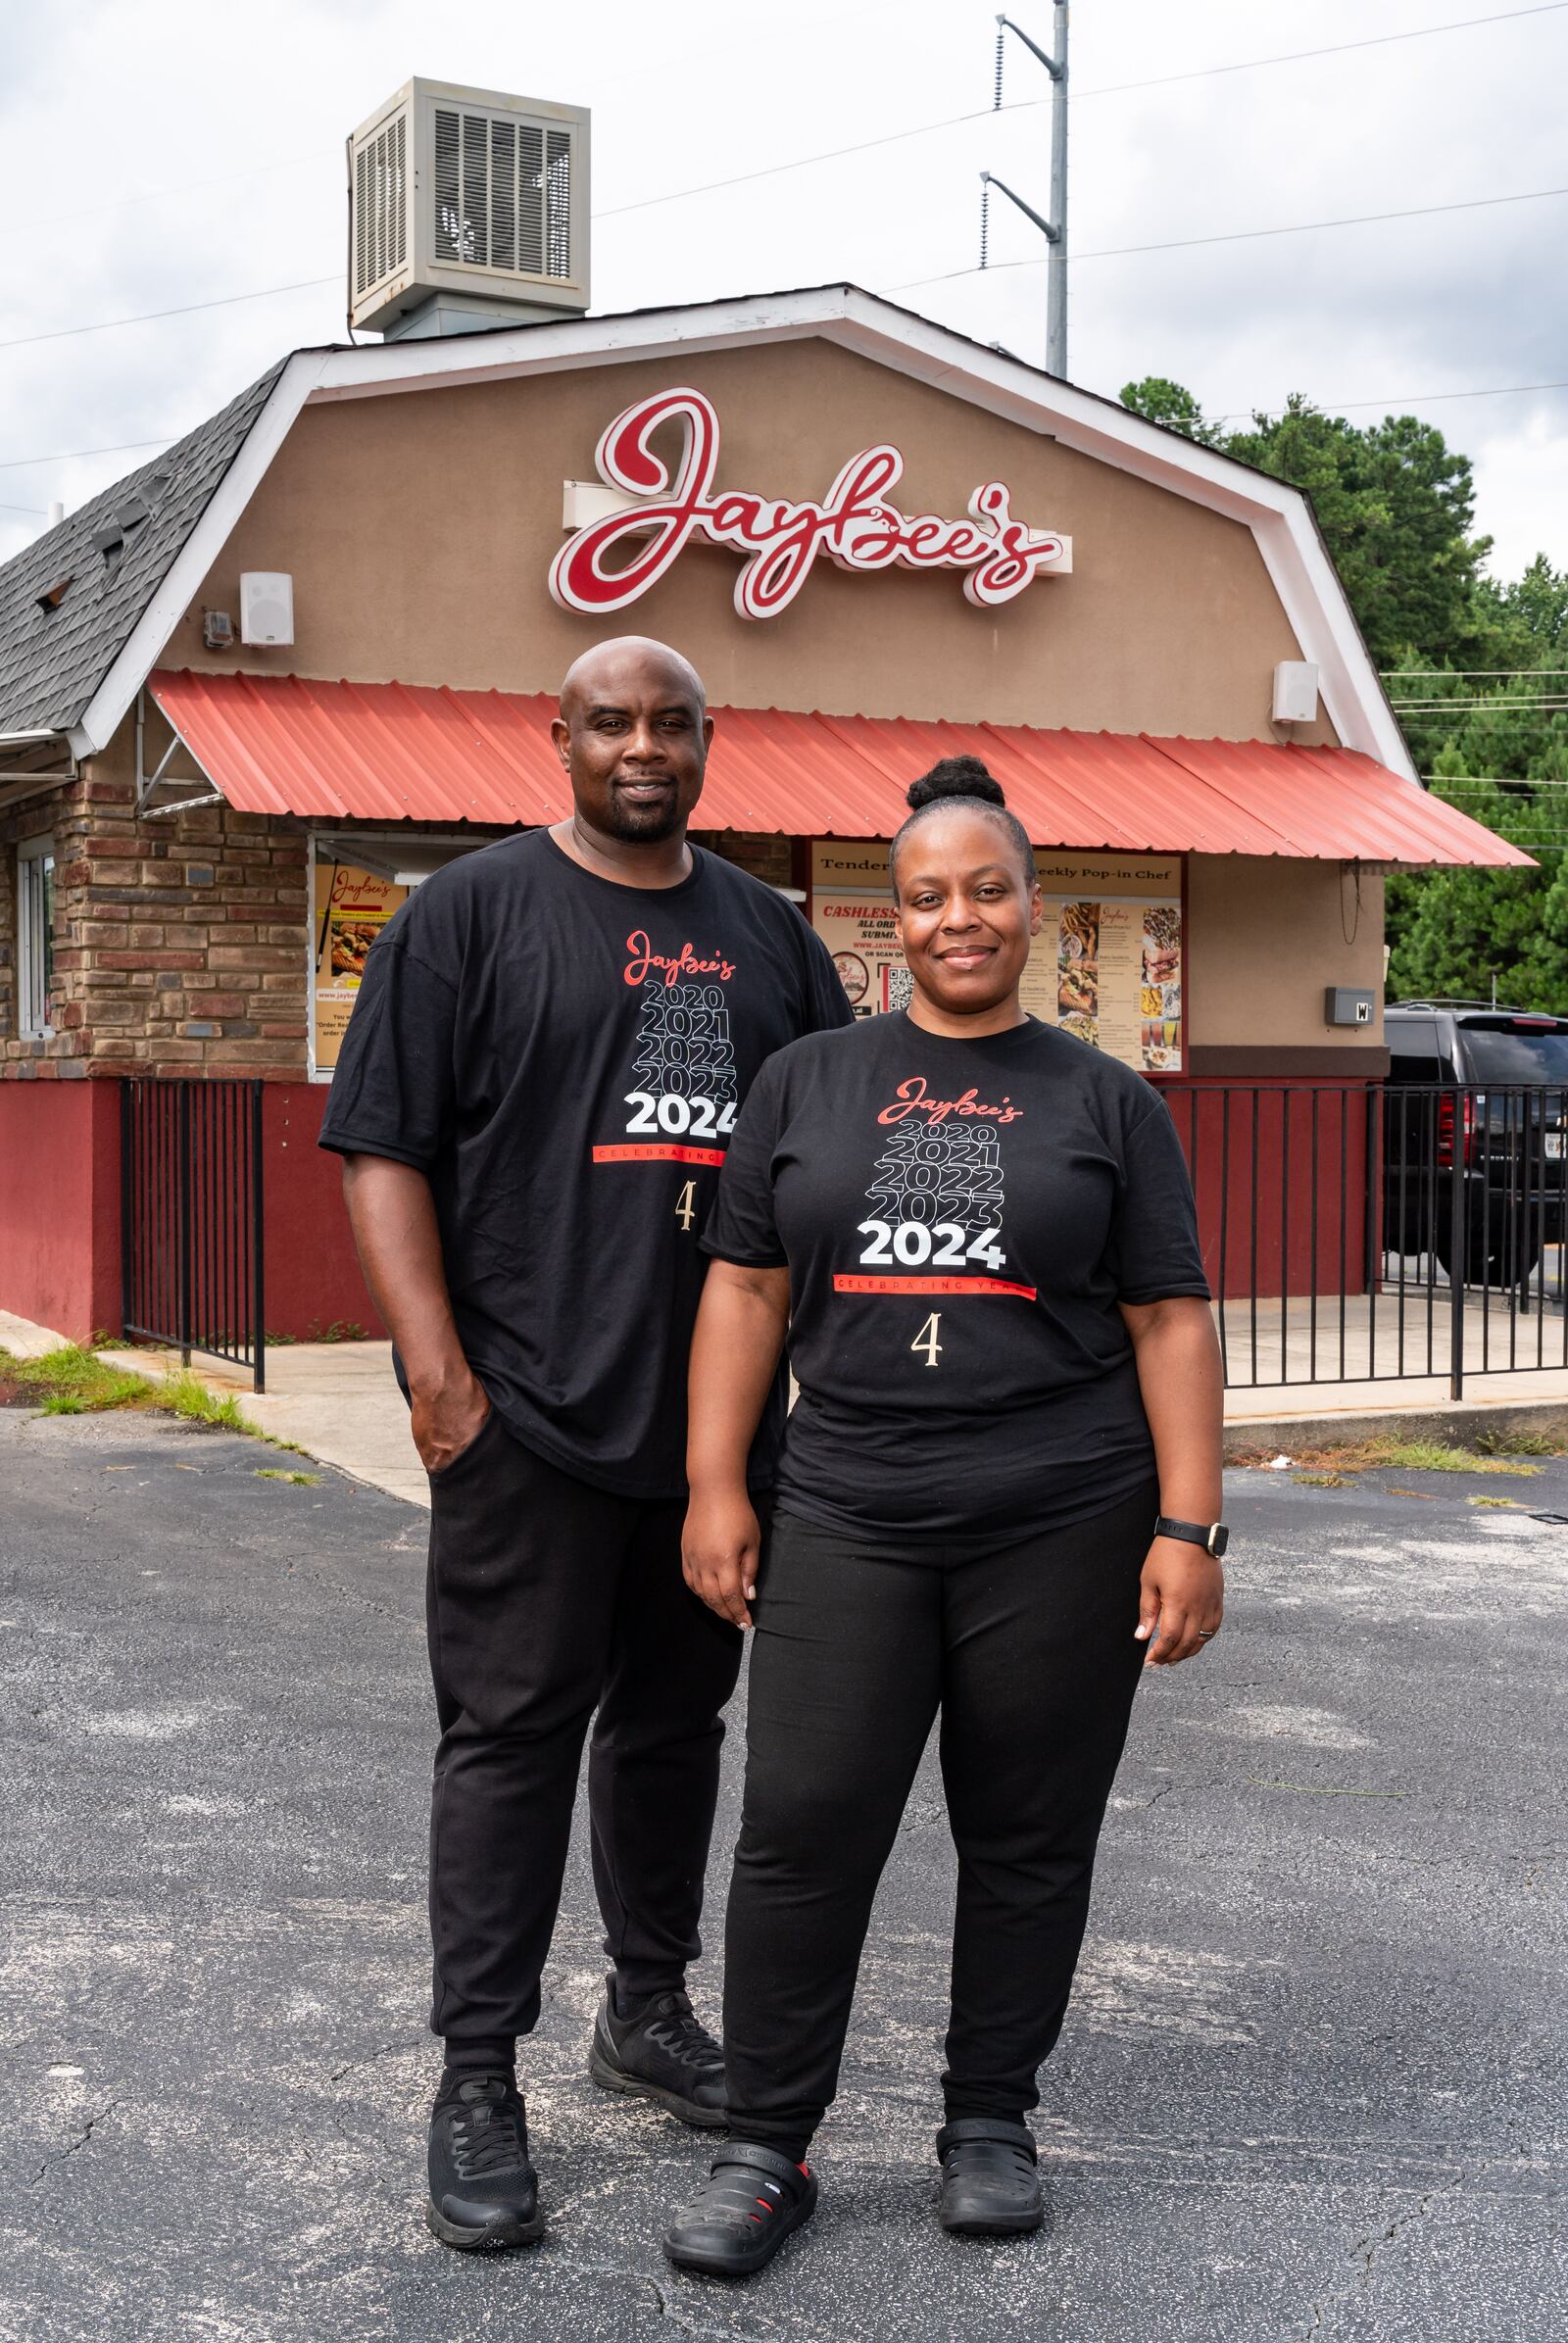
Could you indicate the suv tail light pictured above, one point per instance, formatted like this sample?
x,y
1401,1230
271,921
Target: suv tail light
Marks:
x,y
1446,1121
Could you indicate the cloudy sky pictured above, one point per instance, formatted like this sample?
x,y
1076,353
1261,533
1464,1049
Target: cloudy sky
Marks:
x,y
167,154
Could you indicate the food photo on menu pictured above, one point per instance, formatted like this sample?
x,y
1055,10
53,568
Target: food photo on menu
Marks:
x,y
1078,971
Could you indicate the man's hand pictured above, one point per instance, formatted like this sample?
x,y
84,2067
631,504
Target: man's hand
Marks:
x,y
447,1419
1183,1601
719,1550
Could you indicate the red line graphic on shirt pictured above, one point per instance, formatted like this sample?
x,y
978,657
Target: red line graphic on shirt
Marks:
x,y
935,1198
681,1096
930,1285
658,1154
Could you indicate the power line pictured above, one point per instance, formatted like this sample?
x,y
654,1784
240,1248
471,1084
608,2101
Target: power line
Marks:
x,y
123,447
1246,235
1250,65
950,121
36,509
1421,674
1502,390
64,333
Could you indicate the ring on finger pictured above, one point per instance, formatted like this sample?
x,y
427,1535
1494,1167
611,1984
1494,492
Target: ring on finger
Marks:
x,y
1205,1633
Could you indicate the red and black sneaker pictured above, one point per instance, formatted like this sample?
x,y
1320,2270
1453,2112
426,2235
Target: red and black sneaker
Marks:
x,y
752,2200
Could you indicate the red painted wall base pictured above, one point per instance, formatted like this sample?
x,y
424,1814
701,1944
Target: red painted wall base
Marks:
x,y
60,1214
60,1205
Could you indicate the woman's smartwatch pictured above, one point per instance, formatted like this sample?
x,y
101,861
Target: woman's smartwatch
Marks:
x,y
1213,1538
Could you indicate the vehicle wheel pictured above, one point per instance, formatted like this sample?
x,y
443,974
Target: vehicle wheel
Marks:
x,y
1504,1255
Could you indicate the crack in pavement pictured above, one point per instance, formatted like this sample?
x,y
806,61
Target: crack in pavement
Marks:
x,y
102,2117
1367,2249
662,2305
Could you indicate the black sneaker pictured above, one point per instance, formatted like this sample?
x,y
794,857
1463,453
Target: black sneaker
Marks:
x,y
483,2191
751,2200
990,2180
665,2054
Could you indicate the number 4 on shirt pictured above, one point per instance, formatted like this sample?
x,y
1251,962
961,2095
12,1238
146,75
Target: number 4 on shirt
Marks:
x,y
685,1205
926,1338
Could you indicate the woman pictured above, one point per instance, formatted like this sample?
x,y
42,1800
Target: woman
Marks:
x,y
1000,1496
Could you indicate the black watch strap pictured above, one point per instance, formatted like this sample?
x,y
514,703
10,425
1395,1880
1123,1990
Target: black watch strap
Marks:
x,y
1212,1537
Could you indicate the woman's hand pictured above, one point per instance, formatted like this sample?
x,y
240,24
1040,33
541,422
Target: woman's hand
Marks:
x,y
1182,1601
719,1550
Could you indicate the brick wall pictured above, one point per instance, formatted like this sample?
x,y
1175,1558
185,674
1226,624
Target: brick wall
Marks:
x,y
180,941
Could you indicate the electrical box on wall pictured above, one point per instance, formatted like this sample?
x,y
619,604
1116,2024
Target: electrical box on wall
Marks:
x,y
1294,692
1343,1006
266,606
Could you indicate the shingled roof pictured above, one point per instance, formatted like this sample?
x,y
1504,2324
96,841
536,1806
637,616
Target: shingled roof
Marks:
x,y
52,661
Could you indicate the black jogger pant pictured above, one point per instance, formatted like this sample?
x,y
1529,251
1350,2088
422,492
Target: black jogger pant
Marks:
x,y
1028,1652
546,1599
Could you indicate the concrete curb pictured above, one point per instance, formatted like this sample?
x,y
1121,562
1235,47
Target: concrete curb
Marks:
x,y
1458,1421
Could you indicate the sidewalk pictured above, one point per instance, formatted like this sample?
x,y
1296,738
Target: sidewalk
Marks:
x,y
338,1401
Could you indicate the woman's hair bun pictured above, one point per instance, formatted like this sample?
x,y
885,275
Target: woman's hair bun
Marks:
x,y
954,777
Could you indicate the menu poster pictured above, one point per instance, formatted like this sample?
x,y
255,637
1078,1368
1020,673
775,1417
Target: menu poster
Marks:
x,y
1109,970
1107,966
352,906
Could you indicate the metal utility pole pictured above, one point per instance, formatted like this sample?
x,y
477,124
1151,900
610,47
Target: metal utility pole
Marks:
x,y
1054,229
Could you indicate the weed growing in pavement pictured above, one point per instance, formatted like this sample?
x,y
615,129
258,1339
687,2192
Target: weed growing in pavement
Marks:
x,y
1323,1480
187,1397
274,1472
1386,1454
1509,1504
1520,1443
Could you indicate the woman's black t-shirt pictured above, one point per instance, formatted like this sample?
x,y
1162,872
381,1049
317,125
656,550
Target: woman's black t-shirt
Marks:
x,y
959,1220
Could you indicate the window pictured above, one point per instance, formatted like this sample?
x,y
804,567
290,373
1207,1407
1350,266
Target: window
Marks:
x,y
35,938
1412,1049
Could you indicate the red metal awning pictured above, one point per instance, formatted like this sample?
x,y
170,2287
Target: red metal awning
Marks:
x,y
395,752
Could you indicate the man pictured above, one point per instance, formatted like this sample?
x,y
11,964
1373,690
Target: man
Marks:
x,y
534,1100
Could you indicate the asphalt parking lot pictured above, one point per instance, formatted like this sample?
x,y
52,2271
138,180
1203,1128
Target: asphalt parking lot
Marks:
x,y
1312,2084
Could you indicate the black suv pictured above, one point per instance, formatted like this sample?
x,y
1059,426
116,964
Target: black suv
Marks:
x,y
1493,1083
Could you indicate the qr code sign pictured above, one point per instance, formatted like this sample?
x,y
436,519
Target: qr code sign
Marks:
x,y
897,988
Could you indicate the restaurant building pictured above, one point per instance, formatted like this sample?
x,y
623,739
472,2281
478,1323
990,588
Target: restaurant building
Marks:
x,y
268,683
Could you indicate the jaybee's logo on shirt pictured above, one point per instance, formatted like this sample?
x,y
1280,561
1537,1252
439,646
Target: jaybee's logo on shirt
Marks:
x,y
646,965
912,1099
684,1095
937,1203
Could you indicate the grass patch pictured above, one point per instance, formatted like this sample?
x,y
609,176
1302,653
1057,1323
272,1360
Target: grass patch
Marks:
x,y
275,1472
1508,1505
1520,1443
71,1382
1330,1465
1322,1479
187,1397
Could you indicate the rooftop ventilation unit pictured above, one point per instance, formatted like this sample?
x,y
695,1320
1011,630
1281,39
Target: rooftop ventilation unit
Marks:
x,y
467,209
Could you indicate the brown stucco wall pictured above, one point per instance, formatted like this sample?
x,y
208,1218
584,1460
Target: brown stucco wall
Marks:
x,y
1265,938
418,529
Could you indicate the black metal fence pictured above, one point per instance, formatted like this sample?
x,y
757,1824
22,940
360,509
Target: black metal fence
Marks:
x,y
1355,1234
191,1218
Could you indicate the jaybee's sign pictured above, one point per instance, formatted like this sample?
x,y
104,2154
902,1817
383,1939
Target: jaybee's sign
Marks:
x,y
616,556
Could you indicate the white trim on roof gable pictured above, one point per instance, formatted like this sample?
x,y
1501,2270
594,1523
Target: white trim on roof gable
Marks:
x,y
1279,516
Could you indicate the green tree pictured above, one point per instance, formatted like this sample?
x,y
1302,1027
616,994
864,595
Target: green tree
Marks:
x,y
1472,665
1162,401
1395,507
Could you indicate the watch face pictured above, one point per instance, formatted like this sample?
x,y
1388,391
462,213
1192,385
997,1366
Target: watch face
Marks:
x,y
1220,1538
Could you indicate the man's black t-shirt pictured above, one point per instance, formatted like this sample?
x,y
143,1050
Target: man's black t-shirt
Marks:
x,y
959,1219
564,1059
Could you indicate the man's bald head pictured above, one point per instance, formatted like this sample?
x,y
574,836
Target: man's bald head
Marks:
x,y
628,661
633,734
